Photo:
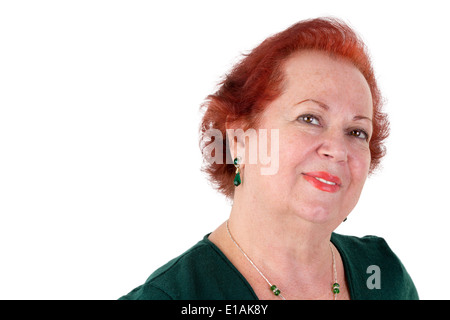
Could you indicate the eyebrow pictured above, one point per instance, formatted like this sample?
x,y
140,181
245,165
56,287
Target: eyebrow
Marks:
x,y
324,106
362,118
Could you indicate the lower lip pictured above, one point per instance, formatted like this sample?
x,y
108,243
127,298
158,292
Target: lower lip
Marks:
x,y
322,186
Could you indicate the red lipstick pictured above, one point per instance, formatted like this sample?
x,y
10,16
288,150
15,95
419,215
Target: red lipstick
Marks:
x,y
323,181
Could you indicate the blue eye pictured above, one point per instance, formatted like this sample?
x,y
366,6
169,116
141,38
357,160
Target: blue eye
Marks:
x,y
309,118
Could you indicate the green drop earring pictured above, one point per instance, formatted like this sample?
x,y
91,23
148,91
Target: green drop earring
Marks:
x,y
237,164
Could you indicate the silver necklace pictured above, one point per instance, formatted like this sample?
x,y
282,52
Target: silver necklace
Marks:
x,y
334,289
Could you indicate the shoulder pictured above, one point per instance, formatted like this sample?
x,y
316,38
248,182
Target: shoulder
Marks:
x,y
361,246
202,272
373,269
169,281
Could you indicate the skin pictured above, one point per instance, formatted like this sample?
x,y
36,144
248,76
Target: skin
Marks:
x,y
281,220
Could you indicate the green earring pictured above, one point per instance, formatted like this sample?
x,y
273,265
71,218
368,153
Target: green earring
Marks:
x,y
237,178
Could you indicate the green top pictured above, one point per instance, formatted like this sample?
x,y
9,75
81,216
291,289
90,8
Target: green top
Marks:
x,y
204,273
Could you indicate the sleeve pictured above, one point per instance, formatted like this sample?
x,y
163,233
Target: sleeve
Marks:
x,y
401,280
374,271
147,292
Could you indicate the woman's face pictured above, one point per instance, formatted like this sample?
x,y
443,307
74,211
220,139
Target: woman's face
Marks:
x,y
324,122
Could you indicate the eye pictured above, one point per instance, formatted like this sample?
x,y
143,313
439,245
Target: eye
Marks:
x,y
309,118
360,134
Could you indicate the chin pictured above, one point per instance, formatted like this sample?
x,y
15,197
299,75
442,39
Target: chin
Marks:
x,y
317,214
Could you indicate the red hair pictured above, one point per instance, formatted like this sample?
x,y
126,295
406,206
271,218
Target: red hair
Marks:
x,y
258,78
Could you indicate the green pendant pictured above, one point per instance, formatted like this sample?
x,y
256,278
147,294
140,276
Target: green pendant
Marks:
x,y
237,179
275,290
335,288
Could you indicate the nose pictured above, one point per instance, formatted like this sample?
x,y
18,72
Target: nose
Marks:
x,y
333,148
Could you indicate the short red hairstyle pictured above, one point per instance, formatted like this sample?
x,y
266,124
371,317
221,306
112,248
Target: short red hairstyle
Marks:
x,y
257,80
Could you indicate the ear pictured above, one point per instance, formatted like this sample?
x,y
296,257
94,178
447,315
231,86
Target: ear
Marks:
x,y
235,141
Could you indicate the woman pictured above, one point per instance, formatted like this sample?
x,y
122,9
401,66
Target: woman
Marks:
x,y
313,88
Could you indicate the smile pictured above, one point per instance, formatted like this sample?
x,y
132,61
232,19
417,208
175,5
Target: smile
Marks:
x,y
323,181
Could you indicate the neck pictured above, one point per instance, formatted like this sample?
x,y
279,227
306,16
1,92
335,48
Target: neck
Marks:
x,y
281,242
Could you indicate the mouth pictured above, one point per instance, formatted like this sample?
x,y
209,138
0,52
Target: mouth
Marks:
x,y
323,181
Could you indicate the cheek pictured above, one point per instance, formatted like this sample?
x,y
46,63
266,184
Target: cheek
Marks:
x,y
359,166
295,146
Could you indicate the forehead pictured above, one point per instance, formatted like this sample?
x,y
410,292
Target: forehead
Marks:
x,y
333,81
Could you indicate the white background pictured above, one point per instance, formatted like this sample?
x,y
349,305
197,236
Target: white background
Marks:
x,y
100,178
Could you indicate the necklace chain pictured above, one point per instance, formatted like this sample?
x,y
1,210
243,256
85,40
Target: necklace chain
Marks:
x,y
335,288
